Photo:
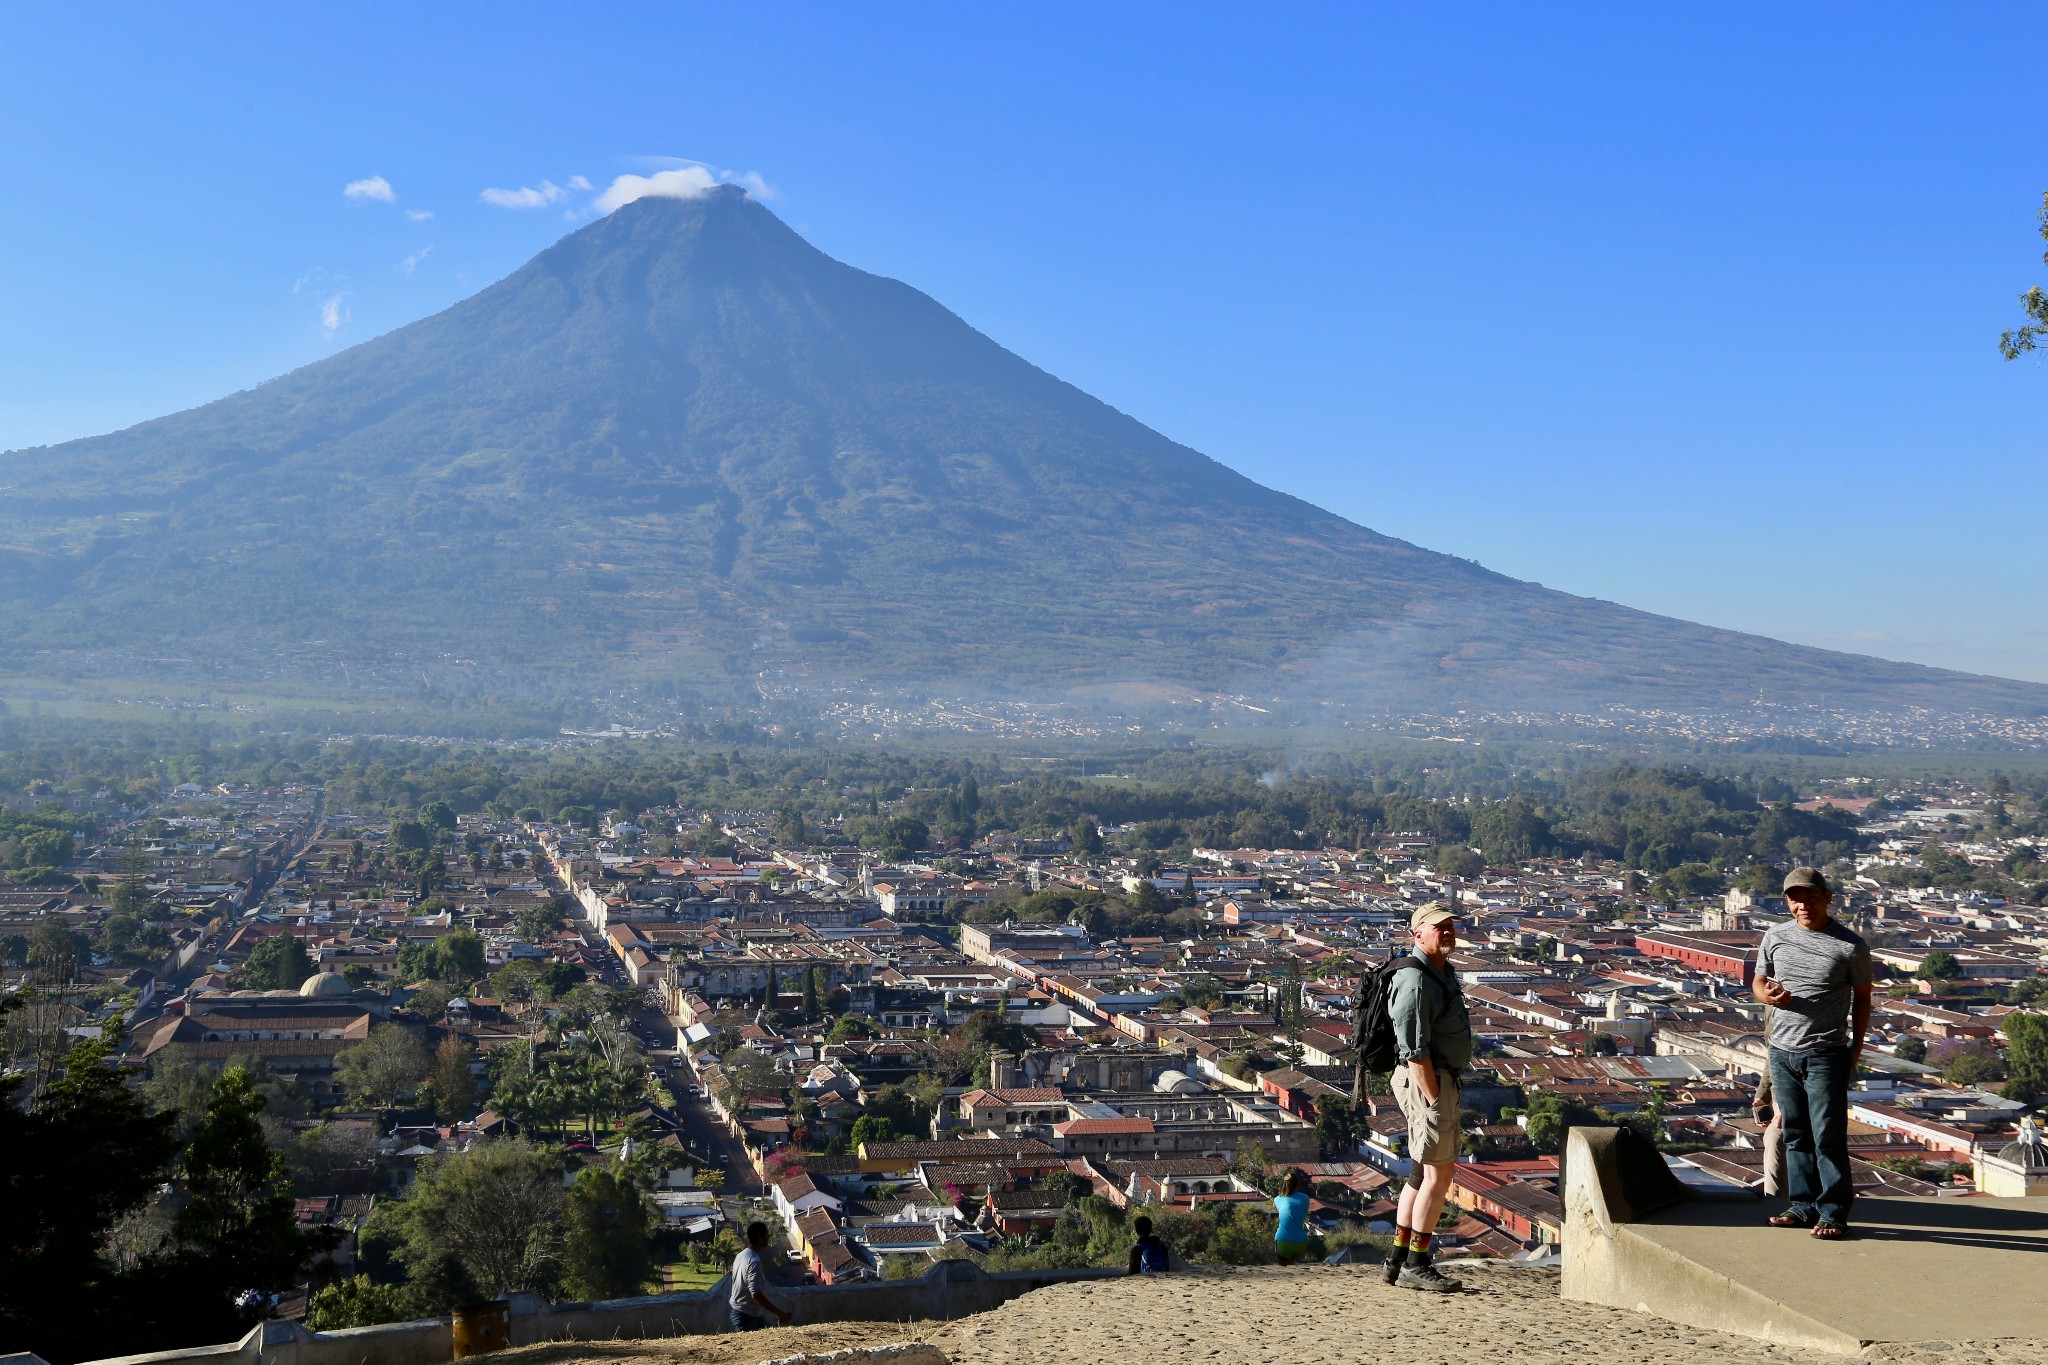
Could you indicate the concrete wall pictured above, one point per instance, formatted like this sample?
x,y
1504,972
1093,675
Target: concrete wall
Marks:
x,y
1611,1183
950,1289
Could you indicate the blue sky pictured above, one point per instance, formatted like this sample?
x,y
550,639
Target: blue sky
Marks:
x,y
1688,307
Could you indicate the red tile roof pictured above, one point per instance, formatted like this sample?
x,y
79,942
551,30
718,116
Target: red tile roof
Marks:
x,y
1102,1127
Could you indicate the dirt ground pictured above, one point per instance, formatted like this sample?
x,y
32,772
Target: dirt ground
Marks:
x,y
1313,1315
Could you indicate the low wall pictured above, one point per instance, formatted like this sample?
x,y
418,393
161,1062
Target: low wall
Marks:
x,y
1613,1179
950,1289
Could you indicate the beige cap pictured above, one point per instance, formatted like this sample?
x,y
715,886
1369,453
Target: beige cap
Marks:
x,y
1436,912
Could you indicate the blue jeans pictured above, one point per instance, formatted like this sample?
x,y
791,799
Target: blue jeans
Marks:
x,y
746,1322
1811,1091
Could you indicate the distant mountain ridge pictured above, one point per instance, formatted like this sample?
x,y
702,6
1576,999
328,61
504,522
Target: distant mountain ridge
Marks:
x,y
682,449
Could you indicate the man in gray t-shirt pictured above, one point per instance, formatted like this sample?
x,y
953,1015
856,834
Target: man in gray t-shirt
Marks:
x,y
1815,974
748,1299
1821,969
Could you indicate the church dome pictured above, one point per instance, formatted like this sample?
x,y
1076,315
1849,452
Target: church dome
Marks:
x,y
326,984
2030,1152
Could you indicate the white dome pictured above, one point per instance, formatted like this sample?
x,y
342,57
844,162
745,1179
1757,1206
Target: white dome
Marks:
x,y
326,984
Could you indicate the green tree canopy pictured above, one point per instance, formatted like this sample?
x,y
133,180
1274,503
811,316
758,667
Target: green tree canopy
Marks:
x,y
1940,966
239,1222
278,963
84,1155
384,1070
2026,1056
608,1225
486,1222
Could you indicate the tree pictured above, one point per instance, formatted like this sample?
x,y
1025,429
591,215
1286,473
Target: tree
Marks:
x,y
1087,839
411,836
279,963
54,952
1551,1116
1685,881
44,848
902,835
438,815
239,1227
383,1070
1940,966
1911,1048
429,1001
850,1026
360,1301
456,958
1245,1237
607,1237
318,1155
1971,1063
453,1081
2026,1056
1456,860
1066,1187
83,1155
536,922
1337,1129
486,1222
811,1004
871,1128
2020,340
1291,1013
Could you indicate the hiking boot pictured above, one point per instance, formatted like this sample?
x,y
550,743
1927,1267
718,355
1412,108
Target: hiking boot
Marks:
x,y
1428,1277
1392,1269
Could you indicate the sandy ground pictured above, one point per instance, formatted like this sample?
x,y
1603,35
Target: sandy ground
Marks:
x,y
1316,1315
736,1349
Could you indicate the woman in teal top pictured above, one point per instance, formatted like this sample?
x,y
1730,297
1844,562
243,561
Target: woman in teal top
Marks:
x,y
1290,1237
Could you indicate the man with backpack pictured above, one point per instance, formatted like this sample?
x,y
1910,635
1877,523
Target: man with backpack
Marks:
x,y
1425,1035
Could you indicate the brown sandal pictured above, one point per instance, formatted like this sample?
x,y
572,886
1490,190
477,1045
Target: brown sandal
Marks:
x,y
1828,1230
1788,1220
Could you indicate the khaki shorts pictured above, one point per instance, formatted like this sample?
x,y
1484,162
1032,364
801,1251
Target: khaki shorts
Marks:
x,y
1433,1129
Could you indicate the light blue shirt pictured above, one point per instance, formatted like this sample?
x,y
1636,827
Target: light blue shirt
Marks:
x,y
1293,1211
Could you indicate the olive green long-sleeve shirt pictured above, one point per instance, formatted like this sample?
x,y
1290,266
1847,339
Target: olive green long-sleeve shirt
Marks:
x,y
1430,1020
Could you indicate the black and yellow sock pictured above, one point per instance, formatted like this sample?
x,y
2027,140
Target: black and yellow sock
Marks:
x,y
1418,1248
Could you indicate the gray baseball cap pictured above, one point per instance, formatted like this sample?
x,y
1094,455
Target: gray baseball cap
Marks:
x,y
1807,879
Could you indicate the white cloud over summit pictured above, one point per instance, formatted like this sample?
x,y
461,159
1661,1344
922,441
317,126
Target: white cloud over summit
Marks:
x,y
691,180
678,179
371,187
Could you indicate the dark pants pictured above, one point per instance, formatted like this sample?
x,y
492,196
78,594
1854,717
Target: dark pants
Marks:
x,y
1811,1091
746,1322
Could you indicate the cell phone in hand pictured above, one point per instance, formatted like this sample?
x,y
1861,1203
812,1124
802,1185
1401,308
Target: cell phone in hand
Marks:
x,y
1763,1114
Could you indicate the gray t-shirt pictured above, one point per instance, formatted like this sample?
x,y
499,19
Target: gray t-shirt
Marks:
x,y
748,1279
1822,968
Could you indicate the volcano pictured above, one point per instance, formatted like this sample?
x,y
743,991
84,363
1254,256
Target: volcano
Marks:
x,y
683,450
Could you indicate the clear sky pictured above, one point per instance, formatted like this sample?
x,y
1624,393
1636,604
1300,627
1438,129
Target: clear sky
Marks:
x,y
1688,307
